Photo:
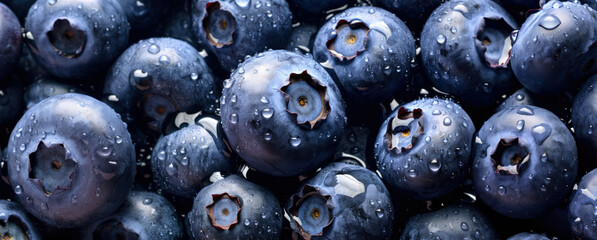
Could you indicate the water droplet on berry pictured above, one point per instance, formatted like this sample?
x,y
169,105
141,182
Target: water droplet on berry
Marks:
x,y
550,22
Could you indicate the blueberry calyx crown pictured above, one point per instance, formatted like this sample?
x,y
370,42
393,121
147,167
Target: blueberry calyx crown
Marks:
x,y
51,169
404,129
494,41
509,157
306,99
349,40
311,211
219,25
67,40
13,228
224,211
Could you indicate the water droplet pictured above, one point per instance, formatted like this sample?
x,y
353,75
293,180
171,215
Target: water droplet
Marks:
x,y
590,131
162,155
51,2
227,83
525,111
541,132
22,147
519,97
412,173
267,113
171,169
550,22
436,112
118,139
520,124
74,199
447,121
194,76
557,4
295,141
184,161
147,201
18,189
371,11
434,165
501,190
428,139
104,151
153,49
44,206
379,212
164,60
464,226
264,100
267,136
441,39
242,3
233,118
453,30
543,157
247,222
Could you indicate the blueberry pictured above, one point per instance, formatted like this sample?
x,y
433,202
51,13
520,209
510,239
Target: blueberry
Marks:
x,y
282,113
409,9
582,207
42,89
455,221
11,100
342,201
183,161
15,223
555,49
158,77
528,236
584,122
423,148
302,38
232,30
234,208
10,40
525,161
70,160
19,7
73,39
370,50
558,105
144,215
464,48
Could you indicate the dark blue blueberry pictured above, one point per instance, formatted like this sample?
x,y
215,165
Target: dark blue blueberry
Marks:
x,y
302,38
423,148
555,48
465,47
283,114
525,161
528,236
529,4
19,7
144,215
356,146
232,30
42,89
370,50
182,162
158,77
590,3
455,221
10,40
581,211
560,105
15,223
341,202
71,160
234,208
143,14
318,7
76,39
11,100
409,9
584,121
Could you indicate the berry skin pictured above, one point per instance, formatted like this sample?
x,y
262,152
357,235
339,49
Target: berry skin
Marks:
x,y
462,221
525,161
423,148
370,51
282,113
528,236
71,160
182,162
340,202
464,50
232,30
234,208
16,224
10,40
554,49
156,78
144,215
582,207
584,121
73,39
409,9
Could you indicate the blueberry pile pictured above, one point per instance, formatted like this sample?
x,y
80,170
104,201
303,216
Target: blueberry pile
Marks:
x,y
298,119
